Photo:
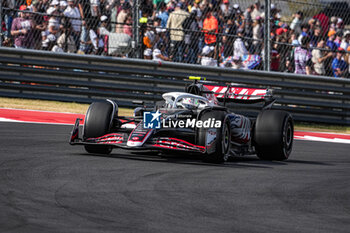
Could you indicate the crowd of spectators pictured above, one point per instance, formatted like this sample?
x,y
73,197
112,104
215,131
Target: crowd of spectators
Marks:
x,y
73,26
207,32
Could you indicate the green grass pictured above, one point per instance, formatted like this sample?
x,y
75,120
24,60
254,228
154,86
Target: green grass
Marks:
x,y
54,106
303,126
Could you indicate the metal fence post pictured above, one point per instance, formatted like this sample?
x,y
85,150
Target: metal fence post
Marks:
x,y
267,43
136,36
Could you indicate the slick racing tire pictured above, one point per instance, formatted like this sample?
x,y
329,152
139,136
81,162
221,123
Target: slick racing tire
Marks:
x,y
98,123
220,147
273,135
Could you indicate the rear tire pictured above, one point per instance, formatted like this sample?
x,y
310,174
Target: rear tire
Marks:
x,y
273,135
221,146
98,123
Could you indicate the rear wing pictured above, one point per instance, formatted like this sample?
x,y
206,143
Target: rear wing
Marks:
x,y
241,94
231,92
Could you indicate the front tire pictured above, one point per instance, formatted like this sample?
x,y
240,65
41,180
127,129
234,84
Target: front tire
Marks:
x,y
217,151
98,123
273,135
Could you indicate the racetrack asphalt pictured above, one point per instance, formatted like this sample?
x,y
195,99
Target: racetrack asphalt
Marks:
x,y
46,185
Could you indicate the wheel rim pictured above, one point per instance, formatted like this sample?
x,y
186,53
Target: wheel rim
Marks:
x,y
226,142
288,138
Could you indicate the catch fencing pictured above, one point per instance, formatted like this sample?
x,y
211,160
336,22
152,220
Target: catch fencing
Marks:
x,y
236,35
78,78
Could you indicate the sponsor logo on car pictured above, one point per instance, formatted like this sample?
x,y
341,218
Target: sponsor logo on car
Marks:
x,y
211,137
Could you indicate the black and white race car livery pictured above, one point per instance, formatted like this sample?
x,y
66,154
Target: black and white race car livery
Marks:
x,y
195,121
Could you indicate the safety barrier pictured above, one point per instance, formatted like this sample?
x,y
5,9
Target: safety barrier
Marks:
x,y
81,78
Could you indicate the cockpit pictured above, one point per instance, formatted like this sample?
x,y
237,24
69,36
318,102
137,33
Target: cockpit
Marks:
x,y
182,100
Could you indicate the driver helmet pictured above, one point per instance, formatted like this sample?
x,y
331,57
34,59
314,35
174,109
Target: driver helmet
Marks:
x,y
190,103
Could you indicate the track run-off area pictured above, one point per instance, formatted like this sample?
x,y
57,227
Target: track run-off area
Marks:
x,y
46,185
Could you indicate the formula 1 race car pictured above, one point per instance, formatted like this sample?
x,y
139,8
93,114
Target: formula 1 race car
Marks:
x,y
194,121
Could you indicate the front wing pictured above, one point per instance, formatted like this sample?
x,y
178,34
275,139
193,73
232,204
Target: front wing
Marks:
x,y
120,139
